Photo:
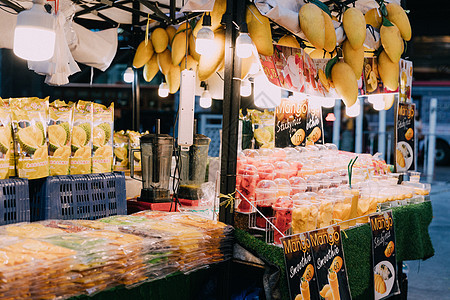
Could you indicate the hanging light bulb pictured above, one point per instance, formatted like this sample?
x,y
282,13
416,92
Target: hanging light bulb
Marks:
x,y
244,45
163,90
128,75
246,88
34,35
328,102
205,36
205,99
354,110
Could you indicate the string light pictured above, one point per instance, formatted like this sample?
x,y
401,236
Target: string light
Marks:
x,y
163,90
205,99
205,36
128,75
246,88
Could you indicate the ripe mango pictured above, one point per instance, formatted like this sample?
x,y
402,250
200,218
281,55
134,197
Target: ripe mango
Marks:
x,y
170,30
373,17
209,63
312,24
388,71
220,6
319,54
246,64
330,33
344,81
288,40
184,27
151,68
191,63
179,47
354,27
173,78
143,54
392,42
354,58
259,30
160,39
397,15
388,101
164,61
192,51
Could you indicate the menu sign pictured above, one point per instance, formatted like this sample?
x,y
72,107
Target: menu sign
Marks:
x,y
384,255
300,267
314,123
329,263
404,137
290,123
406,69
372,79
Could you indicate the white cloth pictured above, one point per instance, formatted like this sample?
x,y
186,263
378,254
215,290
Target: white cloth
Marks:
x,y
198,5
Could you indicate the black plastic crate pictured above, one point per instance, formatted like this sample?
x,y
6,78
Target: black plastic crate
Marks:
x,y
14,201
89,196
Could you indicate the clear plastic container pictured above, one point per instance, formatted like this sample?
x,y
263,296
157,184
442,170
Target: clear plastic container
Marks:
x,y
284,187
325,215
304,216
282,170
298,185
246,184
282,216
266,171
265,197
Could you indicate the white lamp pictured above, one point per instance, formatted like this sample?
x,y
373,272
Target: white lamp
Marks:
x,y
205,36
128,75
354,110
244,45
163,90
328,102
205,99
246,88
34,35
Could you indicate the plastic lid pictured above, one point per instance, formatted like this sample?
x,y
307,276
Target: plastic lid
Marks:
x,y
200,139
284,202
268,185
156,138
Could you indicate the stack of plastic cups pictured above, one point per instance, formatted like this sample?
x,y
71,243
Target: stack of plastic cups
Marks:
x,y
282,216
265,197
246,181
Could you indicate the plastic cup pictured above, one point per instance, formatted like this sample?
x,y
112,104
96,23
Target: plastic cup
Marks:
x,y
282,169
298,185
266,171
246,184
265,197
304,216
283,186
325,215
282,216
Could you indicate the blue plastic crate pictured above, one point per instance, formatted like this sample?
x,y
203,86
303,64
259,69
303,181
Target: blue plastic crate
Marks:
x,y
89,197
14,201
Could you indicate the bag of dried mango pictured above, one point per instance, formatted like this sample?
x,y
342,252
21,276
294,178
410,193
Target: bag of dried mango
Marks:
x,y
120,151
29,123
59,128
102,138
5,139
80,161
134,143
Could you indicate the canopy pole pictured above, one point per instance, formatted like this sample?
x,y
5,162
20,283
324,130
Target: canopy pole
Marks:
x,y
231,104
135,89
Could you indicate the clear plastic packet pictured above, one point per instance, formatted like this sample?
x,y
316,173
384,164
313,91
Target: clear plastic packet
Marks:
x,y
120,143
6,151
102,139
80,160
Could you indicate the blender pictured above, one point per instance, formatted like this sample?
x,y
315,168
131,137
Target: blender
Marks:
x,y
156,152
193,169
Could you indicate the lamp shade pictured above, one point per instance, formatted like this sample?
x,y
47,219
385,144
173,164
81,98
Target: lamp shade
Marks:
x,y
204,41
205,100
244,45
34,35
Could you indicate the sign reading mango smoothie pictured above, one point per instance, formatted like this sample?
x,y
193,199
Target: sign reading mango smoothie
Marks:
x,y
404,137
384,255
300,267
329,263
290,123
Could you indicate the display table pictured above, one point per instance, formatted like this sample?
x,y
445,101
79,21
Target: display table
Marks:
x,y
413,242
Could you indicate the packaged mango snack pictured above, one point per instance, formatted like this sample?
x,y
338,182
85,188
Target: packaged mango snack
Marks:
x,y
80,161
5,139
102,138
29,122
134,143
120,140
59,128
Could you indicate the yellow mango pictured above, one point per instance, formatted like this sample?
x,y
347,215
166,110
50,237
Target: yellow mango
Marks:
x,y
192,51
330,33
160,39
173,78
344,80
319,54
246,64
312,24
392,42
388,71
354,27
191,63
184,27
143,54
373,17
164,61
354,58
178,48
288,40
151,68
397,15
170,30
209,63
220,6
259,30
388,101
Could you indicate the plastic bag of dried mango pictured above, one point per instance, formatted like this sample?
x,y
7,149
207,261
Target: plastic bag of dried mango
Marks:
x,y
59,128
5,138
102,138
80,161
29,123
120,151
